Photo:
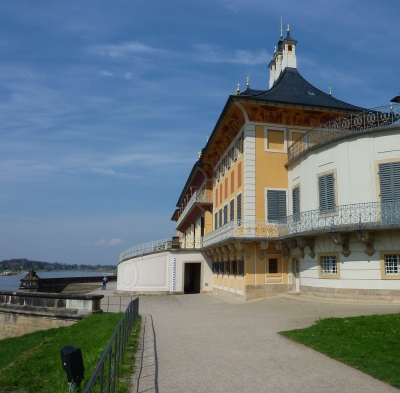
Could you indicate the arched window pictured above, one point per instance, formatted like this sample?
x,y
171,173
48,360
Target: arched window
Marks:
x,y
290,48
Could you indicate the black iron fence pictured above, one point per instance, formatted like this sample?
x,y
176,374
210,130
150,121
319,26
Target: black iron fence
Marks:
x,y
105,377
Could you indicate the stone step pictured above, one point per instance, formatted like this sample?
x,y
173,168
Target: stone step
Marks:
x,y
294,293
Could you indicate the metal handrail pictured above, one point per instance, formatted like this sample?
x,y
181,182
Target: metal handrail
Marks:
x,y
146,248
352,123
343,217
198,196
242,229
106,374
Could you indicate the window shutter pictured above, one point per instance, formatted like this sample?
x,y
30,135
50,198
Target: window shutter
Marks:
x,y
276,208
232,210
239,207
296,202
396,180
326,185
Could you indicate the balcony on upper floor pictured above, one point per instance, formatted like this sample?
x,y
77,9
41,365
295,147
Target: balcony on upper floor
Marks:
x,y
242,230
357,216
353,123
200,201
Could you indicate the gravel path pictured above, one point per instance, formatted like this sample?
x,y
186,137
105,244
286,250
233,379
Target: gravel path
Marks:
x,y
208,343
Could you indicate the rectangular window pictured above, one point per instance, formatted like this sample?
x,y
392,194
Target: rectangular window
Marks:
x,y
225,214
326,187
392,264
215,267
232,181
221,267
232,210
276,205
220,218
296,136
234,267
240,267
296,203
272,265
216,221
227,267
329,265
275,140
389,178
239,207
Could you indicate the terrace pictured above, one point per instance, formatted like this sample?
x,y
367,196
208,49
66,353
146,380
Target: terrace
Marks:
x,y
353,123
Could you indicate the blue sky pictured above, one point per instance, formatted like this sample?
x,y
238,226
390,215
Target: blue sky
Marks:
x,y
105,104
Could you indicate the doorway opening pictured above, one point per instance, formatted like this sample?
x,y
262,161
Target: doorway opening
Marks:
x,y
192,278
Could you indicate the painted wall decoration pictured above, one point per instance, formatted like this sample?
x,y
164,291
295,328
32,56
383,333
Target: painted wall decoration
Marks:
x,y
287,116
227,132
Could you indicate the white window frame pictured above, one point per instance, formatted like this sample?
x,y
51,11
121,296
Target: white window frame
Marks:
x,y
292,131
275,128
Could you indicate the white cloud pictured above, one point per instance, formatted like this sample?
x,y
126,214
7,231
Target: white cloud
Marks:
x,y
110,243
105,73
128,75
115,242
215,54
125,49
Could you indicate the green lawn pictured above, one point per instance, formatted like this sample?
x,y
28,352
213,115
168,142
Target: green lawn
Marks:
x,y
368,343
32,362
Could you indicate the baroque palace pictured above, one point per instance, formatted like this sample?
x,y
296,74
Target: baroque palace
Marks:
x,y
295,191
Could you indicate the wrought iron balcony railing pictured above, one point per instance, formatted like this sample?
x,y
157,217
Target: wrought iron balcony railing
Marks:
x,y
369,215
382,117
343,217
146,248
185,242
242,229
200,197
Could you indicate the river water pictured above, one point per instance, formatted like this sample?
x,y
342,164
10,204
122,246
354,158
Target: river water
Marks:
x,y
11,283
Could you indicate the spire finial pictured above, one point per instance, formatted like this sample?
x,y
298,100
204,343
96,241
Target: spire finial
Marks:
x,y
281,27
330,90
247,81
288,28
274,49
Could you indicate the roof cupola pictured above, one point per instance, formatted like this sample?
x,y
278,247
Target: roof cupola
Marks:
x,y
284,57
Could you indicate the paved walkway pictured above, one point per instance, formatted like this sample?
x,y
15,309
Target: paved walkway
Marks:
x,y
208,343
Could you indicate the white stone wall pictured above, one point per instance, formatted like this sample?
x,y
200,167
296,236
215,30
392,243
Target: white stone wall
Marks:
x,y
354,161
358,270
153,273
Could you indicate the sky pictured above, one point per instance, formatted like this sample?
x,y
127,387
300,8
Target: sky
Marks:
x,y
104,105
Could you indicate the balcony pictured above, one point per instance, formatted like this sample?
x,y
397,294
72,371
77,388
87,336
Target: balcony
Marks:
x,y
242,229
369,215
357,216
187,243
354,123
199,199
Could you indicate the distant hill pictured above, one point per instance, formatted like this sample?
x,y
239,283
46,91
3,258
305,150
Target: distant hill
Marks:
x,y
25,264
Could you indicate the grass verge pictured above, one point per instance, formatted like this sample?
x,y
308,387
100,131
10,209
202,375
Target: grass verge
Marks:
x,y
368,343
32,362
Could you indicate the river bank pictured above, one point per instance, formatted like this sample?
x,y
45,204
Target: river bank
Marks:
x,y
12,283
